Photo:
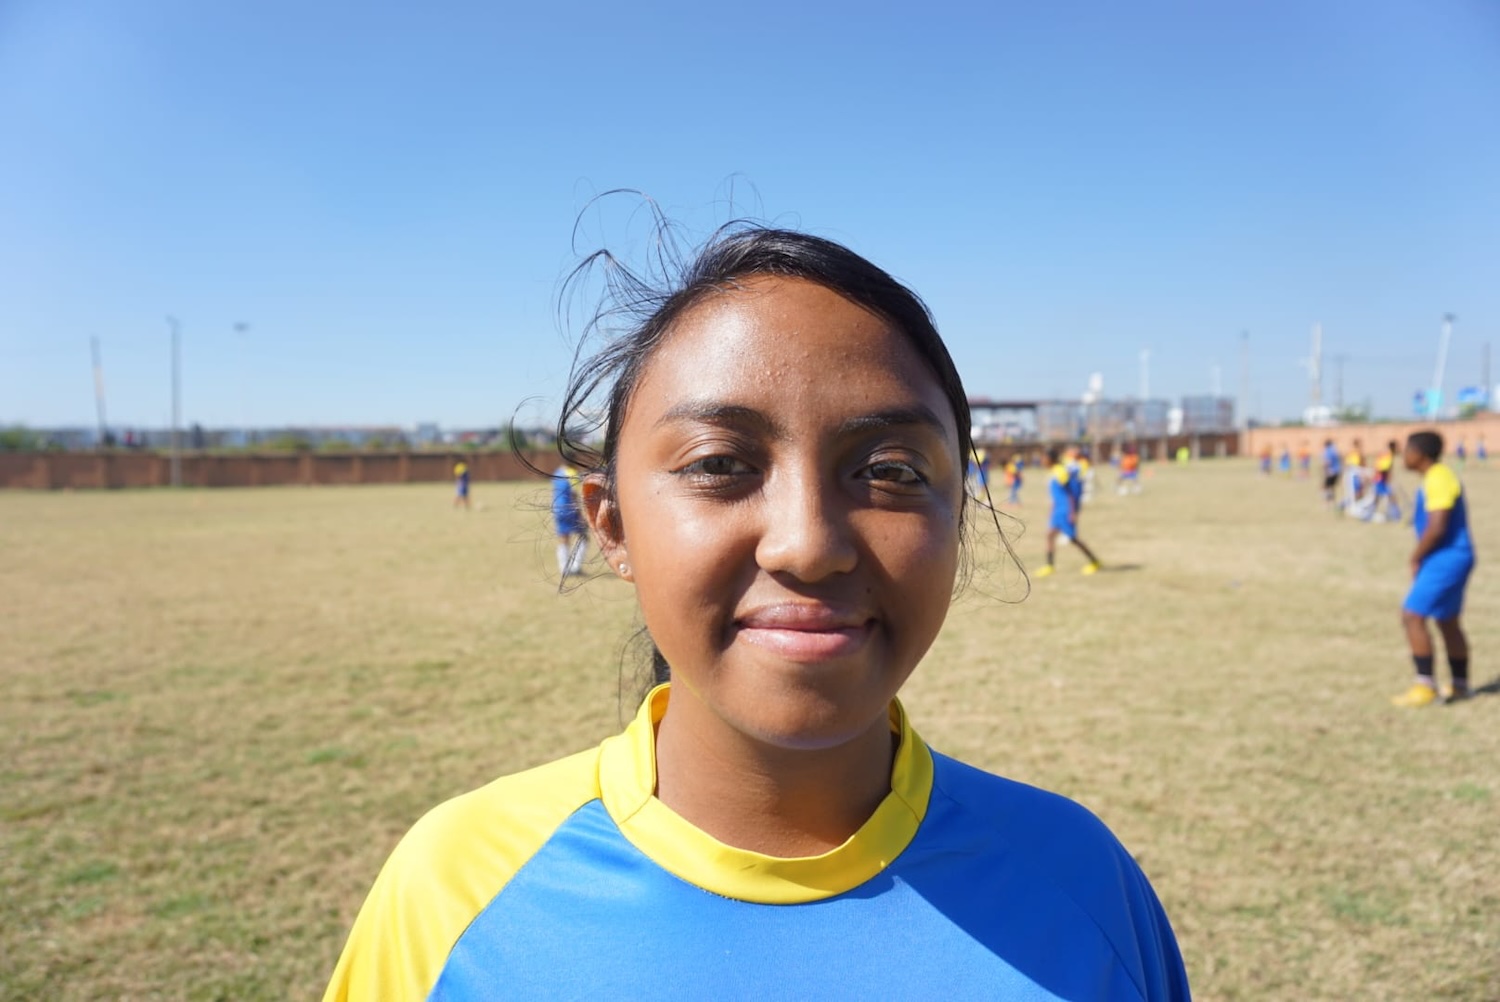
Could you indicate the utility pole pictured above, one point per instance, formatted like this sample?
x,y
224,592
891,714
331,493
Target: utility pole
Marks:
x,y
99,392
176,404
1338,381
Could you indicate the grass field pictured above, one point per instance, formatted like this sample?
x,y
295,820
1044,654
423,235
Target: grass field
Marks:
x,y
220,709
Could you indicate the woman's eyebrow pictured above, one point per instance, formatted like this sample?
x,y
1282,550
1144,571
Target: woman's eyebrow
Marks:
x,y
919,415
722,414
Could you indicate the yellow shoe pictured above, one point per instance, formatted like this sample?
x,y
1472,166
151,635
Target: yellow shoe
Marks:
x,y
1046,570
1090,568
1418,695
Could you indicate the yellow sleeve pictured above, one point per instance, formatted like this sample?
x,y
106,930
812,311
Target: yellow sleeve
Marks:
x,y
1440,488
445,871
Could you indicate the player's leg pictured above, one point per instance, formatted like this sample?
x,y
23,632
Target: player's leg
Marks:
x,y
1093,562
563,541
1051,563
1424,687
1457,646
578,546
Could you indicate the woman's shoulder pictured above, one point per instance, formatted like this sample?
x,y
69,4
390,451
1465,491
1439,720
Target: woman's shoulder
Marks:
x,y
520,810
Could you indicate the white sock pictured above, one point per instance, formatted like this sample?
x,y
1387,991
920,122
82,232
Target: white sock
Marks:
x,y
575,564
562,558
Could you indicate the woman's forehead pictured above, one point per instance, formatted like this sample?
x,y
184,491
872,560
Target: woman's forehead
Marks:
x,y
787,337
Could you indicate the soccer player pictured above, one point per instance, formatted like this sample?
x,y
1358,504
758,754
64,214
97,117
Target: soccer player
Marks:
x,y
770,825
1067,501
1440,569
1265,460
567,515
1384,469
1014,475
1130,471
461,485
1304,460
1285,459
1331,469
1354,464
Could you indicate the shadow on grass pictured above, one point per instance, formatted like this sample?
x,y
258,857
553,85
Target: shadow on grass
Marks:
x,y
1119,568
1490,688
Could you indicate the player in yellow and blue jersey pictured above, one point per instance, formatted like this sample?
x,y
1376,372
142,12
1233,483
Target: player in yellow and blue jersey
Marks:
x,y
1066,488
1440,569
1385,468
567,517
461,485
771,825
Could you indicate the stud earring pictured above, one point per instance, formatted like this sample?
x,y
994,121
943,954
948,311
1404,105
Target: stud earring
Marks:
x,y
624,570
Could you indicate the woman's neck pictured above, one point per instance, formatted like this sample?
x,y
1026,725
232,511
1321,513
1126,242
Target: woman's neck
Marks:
x,y
767,799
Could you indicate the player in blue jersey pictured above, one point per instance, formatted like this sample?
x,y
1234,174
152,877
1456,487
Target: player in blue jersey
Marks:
x,y
1063,484
567,516
461,485
1440,569
1332,467
771,825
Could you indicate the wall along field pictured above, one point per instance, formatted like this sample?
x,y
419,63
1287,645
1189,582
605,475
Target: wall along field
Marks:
x,y
220,709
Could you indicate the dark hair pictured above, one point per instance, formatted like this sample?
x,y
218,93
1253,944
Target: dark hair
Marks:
x,y
1427,443
637,312
1392,445
1053,454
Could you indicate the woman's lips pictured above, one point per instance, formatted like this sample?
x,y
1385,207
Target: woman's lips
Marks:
x,y
806,633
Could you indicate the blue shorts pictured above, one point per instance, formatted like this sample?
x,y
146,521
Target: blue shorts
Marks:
x,y
463,488
1382,489
569,521
1061,523
1438,590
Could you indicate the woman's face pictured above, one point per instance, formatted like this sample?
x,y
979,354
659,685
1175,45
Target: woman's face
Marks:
x,y
788,483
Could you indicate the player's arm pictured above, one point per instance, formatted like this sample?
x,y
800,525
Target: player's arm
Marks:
x,y
1437,524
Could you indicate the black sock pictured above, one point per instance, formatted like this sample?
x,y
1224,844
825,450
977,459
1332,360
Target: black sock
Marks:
x,y
1424,666
1460,669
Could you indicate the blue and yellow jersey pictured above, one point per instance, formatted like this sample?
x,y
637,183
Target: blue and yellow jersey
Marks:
x,y
1331,460
1441,490
573,880
1383,467
1354,458
461,471
1061,487
565,480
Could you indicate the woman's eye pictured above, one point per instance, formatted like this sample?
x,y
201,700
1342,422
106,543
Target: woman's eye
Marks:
x,y
716,466
893,472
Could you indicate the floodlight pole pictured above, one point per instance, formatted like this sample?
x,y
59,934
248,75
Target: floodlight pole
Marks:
x,y
176,404
99,392
1245,380
1433,402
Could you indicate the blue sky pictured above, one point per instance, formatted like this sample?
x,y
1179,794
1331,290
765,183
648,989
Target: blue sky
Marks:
x,y
385,193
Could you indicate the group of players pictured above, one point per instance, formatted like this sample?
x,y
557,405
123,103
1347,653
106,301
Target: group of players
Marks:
x,y
1070,482
1443,559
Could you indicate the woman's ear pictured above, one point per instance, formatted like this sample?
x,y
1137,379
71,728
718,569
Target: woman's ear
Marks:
x,y
603,515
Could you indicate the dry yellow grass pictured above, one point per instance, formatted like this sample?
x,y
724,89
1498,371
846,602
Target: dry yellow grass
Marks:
x,y
218,710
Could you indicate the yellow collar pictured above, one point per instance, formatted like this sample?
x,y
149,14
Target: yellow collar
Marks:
x,y
627,783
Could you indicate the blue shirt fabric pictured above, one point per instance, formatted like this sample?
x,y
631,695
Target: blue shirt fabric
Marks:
x,y
962,885
1441,489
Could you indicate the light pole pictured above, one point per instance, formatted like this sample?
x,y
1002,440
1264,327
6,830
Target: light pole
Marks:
x,y
99,393
176,404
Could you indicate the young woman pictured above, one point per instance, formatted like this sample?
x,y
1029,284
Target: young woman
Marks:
x,y
782,481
